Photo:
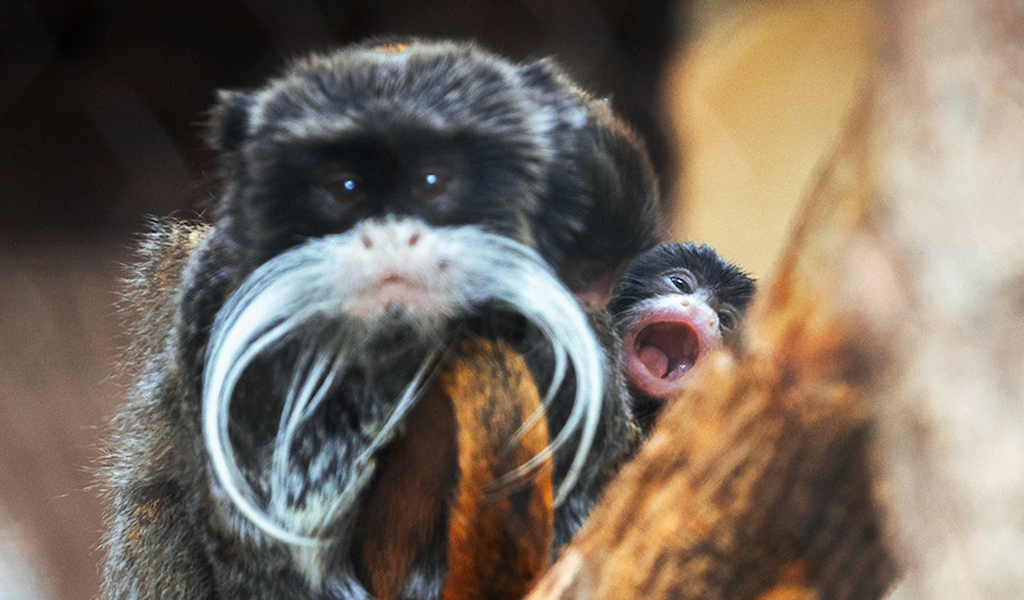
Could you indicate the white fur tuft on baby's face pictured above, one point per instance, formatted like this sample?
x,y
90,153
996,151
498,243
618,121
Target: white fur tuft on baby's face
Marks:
x,y
404,267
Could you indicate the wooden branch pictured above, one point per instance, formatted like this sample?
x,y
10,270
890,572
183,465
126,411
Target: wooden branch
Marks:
x,y
948,147
885,365
756,482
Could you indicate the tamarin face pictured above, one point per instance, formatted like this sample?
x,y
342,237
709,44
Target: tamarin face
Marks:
x,y
675,304
379,202
442,133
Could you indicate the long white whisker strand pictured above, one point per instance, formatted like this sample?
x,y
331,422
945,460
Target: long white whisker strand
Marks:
x,y
558,376
312,393
410,395
280,460
507,271
215,427
298,409
269,306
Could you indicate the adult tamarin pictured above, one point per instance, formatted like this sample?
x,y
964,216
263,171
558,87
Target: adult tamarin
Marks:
x,y
672,306
378,205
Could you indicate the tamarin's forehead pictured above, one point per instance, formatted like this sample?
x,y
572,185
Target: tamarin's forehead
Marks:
x,y
427,73
440,85
701,260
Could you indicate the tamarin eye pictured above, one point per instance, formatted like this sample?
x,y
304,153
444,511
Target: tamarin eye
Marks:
x,y
430,184
726,320
347,188
681,284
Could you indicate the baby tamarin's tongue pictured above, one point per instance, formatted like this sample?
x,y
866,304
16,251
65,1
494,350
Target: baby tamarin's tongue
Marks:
x,y
654,359
453,449
668,349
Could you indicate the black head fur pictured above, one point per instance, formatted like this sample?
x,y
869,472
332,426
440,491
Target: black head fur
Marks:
x,y
722,279
535,158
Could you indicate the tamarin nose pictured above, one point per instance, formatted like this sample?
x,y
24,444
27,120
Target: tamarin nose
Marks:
x,y
391,234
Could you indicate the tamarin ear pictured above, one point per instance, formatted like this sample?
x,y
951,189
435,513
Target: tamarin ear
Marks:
x,y
604,198
616,173
226,131
229,121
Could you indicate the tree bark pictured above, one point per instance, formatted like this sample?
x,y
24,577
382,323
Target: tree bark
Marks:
x,y
884,369
756,482
948,148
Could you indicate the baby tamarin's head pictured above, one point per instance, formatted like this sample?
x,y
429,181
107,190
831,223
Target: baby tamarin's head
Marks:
x,y
674,305
379,201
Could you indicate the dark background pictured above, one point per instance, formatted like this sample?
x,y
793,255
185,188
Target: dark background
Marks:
x,y
102,104
102,101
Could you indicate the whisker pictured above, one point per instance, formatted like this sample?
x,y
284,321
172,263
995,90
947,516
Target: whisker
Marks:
x,y
410,395
298,296
509,272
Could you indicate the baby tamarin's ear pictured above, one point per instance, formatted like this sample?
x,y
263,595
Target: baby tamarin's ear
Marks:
x,y
603,192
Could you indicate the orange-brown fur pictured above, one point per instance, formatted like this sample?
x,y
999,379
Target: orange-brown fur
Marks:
x,y
407,498
498,542
446,465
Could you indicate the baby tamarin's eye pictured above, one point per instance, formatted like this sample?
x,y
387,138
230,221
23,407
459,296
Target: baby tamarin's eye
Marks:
x,y
346,188
726,320
682,284
430,183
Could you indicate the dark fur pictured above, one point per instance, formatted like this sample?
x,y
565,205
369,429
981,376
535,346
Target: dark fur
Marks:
x,y
643,279
582,194
726,281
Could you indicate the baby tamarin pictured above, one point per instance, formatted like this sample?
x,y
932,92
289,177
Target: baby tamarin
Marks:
x,y
672,306
379,204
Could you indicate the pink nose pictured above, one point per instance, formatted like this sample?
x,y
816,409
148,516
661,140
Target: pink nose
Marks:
x,y
390,235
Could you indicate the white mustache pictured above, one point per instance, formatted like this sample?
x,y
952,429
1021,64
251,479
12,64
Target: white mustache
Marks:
x,y
313,282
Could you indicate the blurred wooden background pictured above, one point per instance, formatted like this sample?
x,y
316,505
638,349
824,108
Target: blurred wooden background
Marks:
x,y
99,126
758,101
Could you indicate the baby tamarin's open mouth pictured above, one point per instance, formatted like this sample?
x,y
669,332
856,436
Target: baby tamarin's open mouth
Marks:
x,y
668,350
664,349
